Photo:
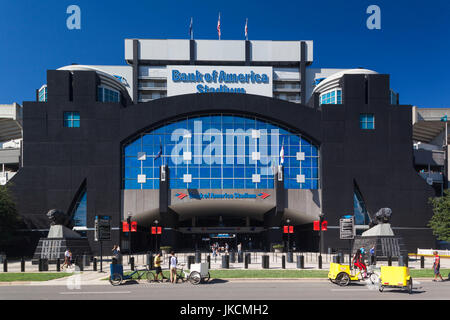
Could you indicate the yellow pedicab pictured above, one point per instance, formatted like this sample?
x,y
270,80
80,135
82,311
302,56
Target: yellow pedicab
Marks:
x,y
395,277
342,275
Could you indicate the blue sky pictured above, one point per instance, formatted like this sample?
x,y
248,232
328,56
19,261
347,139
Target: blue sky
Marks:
x,y
412,46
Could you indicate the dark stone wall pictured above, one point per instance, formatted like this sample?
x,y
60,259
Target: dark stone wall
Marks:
x,y
58,160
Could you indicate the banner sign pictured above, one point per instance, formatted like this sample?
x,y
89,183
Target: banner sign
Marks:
x,y
102,228
204,79
229,196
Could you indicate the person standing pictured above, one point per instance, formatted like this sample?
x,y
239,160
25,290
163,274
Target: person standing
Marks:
x,y
173,267
372,255
239,248
437,266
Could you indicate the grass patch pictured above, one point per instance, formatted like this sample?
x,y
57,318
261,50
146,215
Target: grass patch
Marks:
x,y
9,277
427,273
283,273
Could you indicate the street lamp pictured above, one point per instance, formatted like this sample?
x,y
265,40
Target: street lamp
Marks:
x,y
156,235
321,215
129,230
288,221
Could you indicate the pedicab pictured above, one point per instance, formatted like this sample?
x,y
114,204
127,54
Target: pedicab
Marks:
x,y
342,275
395,277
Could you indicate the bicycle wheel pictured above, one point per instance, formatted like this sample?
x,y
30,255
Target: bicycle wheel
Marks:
x,y
195,277
343,279
150,276
374,278
410,286
115,279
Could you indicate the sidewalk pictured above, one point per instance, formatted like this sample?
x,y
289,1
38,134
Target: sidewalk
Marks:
x,y
90,277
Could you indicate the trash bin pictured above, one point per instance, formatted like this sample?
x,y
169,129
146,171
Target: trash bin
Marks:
x,y
300,262
191,260
198,257
232,257
265,262
44,264
248,257
226,261
149,259
290,256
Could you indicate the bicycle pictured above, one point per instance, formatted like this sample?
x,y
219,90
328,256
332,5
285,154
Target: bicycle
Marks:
x,y
193,277
118,277
342,274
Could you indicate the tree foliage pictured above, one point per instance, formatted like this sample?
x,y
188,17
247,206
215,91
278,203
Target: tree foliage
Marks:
x,y
9,219
440,222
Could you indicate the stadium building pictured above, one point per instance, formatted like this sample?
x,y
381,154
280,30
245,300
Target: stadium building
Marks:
x,y
221,141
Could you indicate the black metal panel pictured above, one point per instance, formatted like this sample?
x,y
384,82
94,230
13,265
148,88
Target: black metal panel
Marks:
x,y
57,159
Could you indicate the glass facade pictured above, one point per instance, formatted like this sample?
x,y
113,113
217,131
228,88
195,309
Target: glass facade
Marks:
x,y
359,209
220,151
71,119
331,97
107,95
80,211
367,121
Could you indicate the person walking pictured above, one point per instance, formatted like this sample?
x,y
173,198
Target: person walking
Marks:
x,y
157,263
437,266
67,259
173,267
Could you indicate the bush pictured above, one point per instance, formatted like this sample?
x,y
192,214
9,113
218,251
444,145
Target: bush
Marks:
x,y
278,246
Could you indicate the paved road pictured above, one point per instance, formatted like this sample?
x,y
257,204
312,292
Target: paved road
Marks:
x,y
228,290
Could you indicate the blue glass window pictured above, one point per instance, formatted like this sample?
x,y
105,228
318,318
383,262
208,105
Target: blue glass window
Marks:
x,y
107,95
71,119
367,121
331,97
220,151
80,211
359,208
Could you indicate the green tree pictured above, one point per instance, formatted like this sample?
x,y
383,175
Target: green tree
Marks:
x,y
9,219
440,222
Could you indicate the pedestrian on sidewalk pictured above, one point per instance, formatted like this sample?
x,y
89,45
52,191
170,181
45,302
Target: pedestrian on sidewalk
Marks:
x,y
437,266
157,263
372,255
173,267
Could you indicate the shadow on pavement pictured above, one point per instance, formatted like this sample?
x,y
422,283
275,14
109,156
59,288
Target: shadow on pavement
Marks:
x,y
215,281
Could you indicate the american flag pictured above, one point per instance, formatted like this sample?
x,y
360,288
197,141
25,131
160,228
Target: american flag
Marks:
x,y
246,29
218,26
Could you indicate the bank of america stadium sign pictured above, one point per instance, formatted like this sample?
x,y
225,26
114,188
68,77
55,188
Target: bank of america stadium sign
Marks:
x,y
204,79
229,196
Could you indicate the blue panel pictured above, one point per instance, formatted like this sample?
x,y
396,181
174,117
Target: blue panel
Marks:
x,y
205,183
249,184
194,184
228,183
131,184
216,183
239,183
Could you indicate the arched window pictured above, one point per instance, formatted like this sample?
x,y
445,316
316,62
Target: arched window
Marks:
x,y
220,151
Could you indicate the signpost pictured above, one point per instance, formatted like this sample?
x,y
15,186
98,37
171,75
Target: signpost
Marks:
x,y
347,232
102,232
